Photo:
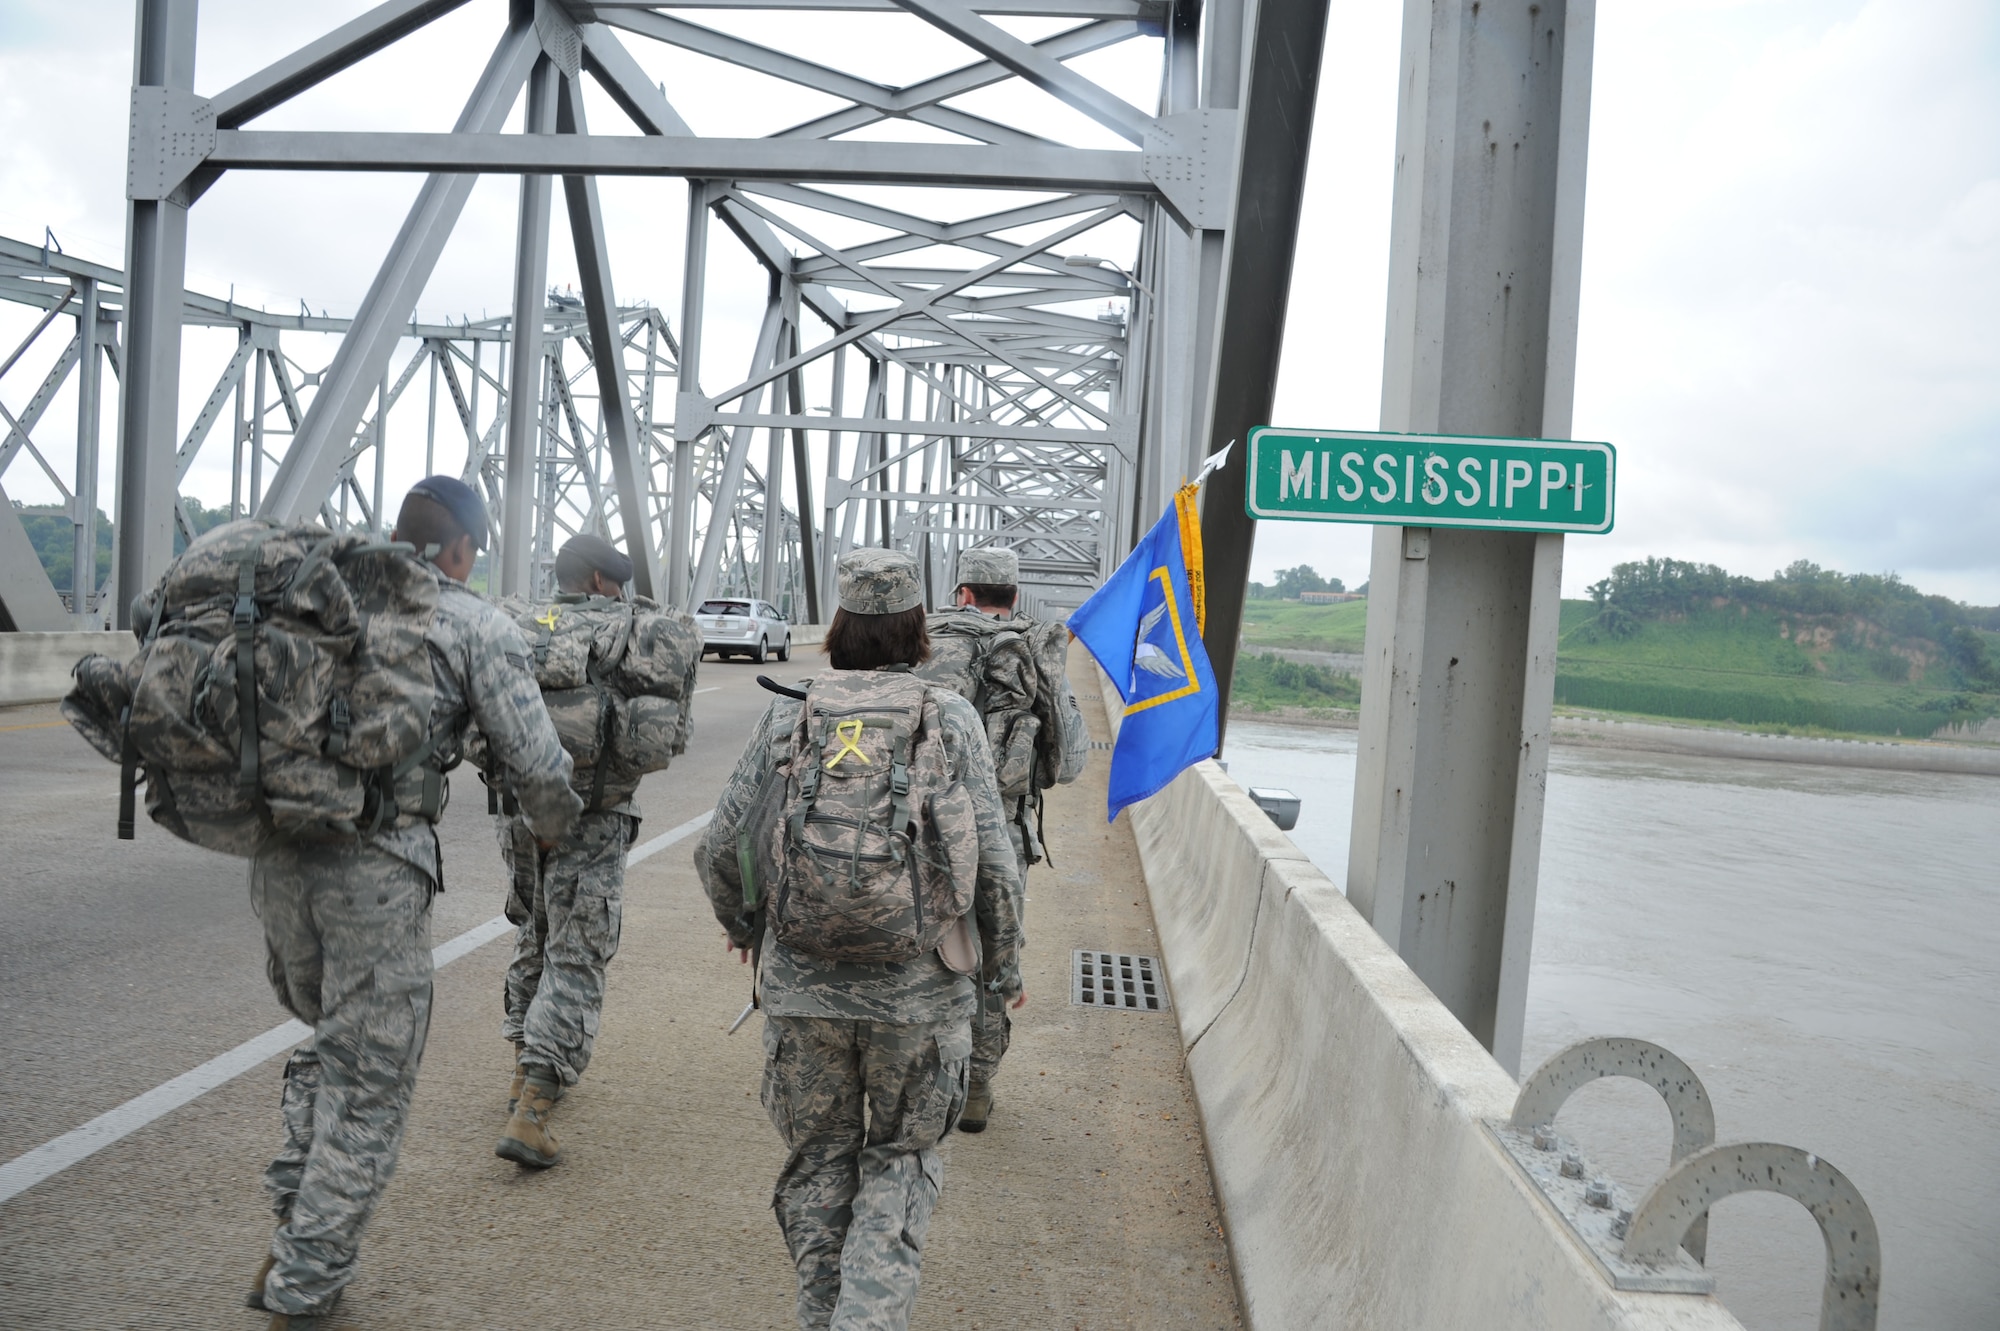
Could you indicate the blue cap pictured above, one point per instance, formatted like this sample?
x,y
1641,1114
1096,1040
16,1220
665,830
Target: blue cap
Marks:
x,y
458,499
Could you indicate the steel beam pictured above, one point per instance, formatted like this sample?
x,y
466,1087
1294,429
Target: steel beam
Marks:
x,y
476,152
28,600
89,403
318,61
733,463
631,463
1148,11
524,385
1459,670
307,473
694,282
795,401
1035,66
1021,399
1279,90
156,271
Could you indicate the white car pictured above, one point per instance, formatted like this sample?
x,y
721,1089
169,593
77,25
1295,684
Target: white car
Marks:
x,y
754,628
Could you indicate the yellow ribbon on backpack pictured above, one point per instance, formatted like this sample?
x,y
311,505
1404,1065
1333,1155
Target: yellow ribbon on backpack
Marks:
x,y
849,735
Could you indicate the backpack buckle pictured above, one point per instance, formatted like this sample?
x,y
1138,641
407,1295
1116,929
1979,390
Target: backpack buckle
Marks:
x,y
244,614
340,720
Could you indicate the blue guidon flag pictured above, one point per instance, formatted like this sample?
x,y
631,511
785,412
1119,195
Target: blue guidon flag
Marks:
x,y
1144,628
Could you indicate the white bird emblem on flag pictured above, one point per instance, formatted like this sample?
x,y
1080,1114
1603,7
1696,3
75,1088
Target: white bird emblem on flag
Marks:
x,y
1147,657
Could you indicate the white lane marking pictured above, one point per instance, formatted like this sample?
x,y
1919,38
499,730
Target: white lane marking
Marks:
x,y
25,1171
476,937
79,1144
697,693
665,839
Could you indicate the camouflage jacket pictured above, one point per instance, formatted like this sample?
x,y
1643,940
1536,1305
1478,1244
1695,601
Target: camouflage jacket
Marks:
x,y
797,985
480,664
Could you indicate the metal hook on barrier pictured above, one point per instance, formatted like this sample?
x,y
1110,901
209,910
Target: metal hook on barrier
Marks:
x,y
1550,1086
1691,1188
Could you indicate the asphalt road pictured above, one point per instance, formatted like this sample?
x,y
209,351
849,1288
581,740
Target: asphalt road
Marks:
x,y
1087,1203
145,952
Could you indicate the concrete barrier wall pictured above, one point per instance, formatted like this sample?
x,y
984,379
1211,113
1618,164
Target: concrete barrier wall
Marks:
x,y
34,667
1342,1103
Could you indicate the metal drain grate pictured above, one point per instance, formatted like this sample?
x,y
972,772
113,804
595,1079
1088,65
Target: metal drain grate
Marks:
x,y
1117,979
1102,744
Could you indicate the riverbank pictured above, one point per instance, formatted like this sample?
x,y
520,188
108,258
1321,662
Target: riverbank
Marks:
x,y
1707,742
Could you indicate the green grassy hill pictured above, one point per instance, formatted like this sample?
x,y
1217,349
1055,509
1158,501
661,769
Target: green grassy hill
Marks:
x,y
1264,683
1808,650
1318,628
1765,668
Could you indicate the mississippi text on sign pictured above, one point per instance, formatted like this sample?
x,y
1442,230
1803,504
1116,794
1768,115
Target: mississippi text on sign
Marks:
x,y
1430,480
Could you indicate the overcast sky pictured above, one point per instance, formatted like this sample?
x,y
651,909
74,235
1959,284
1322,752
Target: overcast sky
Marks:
x,y
1791,265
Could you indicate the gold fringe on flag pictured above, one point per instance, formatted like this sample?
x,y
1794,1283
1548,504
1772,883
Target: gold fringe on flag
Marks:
x,y
1184,504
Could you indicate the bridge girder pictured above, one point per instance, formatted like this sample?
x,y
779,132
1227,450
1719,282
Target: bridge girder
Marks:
x,y
935,373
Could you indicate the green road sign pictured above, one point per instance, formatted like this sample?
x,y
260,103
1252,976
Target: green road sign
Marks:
x,y
1430,480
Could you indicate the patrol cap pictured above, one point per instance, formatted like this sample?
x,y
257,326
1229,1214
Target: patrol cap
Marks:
x,y
879,582
584,555
458,499
989,566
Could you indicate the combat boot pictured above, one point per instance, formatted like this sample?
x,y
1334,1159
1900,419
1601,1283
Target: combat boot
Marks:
x,y
527,1140
520,1075
978,1107
255,1298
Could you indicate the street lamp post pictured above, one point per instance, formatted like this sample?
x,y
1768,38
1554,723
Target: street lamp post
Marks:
x,y
1092,261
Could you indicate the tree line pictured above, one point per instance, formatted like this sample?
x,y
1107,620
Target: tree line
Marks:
x,y
1654,589
54,537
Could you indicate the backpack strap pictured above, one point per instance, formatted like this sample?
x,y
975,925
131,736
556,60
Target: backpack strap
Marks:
x,y
596,670
128,761
603,745
431,802
807,748
243,619
319,554
899,790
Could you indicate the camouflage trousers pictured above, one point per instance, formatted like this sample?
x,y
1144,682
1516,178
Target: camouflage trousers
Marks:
x,y
572,898
992,1027
861,1106
347,930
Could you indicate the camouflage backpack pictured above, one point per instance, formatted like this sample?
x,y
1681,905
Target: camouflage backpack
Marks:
x,y
873,843
282,687
1011,671
617,677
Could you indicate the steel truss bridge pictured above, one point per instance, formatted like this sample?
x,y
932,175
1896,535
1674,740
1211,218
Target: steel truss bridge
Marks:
x,y
951,361
977,327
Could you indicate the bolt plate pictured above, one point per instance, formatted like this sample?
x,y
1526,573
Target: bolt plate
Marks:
x,y
1117,980
1592,1225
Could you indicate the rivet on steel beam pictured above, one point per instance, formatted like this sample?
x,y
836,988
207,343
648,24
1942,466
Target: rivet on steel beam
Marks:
x,y
1572,1166
1598,1194
1545,1137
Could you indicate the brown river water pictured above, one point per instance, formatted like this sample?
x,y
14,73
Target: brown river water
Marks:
x,y
1822,944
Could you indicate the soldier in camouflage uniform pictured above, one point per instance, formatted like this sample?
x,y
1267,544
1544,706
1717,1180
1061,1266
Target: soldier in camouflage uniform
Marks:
x,y
348,931
989,584
570,901
865,1065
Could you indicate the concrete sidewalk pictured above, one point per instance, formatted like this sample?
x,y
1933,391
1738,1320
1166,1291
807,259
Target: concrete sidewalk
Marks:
x,y
1087,1204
